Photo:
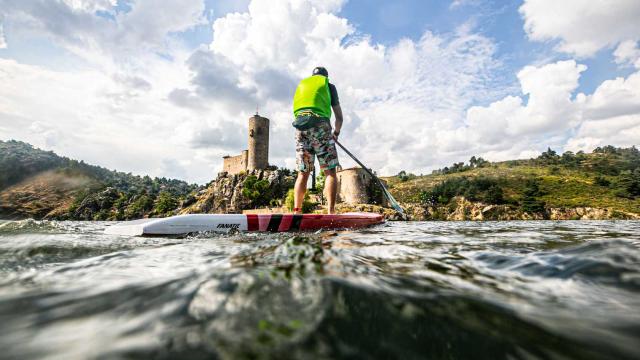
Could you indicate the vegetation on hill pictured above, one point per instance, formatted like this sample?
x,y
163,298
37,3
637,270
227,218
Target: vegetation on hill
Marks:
x,y
608,177
110,195
41,184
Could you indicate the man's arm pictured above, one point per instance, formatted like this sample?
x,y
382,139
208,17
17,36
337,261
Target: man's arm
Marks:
x,y
338,111
335,105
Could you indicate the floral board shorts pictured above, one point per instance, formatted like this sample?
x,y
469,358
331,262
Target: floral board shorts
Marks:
x,y
316,141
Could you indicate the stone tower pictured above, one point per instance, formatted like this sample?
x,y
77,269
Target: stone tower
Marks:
x,y
258,143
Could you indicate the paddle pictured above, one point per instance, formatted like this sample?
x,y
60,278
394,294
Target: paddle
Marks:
x,y
392,201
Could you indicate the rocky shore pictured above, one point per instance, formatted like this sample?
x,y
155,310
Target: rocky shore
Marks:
x,y
464,210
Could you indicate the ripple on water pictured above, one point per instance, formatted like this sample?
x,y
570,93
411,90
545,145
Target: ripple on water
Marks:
x,y
401,290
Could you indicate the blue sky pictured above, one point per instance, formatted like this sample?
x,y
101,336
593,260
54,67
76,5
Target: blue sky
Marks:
x,y
164,87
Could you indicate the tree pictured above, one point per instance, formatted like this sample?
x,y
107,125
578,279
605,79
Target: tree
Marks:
x,y
257,191
495,195
480,162
166,203
530,202
628,185
402,175
601,181
140,206
549,157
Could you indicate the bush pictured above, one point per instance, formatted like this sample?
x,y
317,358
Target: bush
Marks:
x,y
166,203
495,195
404,176
475,189
628,185
142,205
257,191
307,205
530,202
601,181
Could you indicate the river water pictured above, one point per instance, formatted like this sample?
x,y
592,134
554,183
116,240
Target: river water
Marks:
x,y
455,290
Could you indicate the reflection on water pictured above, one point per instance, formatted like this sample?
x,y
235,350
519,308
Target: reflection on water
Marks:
x,y
401,290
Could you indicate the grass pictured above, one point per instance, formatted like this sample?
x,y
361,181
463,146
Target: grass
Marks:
x,y
559,186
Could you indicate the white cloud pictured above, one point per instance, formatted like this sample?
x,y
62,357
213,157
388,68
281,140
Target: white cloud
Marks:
x,y
3,41
611,115
74,25
410,105
583,27
93,116
621,131
460,3
613,98
628,53
389,94
91,6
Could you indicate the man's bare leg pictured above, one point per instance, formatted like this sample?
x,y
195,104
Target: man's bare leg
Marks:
x,y
331,189
299,191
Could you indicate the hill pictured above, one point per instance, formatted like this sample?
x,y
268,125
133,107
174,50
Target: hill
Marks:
x,y
604,184
608,179
40,184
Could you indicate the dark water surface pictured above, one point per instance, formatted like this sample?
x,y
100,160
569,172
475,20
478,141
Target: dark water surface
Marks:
x,y
454,290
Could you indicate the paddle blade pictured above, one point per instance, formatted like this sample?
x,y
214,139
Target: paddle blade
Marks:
x,y
394,204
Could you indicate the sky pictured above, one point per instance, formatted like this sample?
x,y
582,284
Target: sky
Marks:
x,y
166,87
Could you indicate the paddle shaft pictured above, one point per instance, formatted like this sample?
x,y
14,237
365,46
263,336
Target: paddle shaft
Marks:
x,y
393,201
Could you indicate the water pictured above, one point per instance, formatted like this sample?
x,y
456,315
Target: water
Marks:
x,y
494,290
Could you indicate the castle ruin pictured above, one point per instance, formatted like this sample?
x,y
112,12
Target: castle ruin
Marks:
x,y
256,157
355,185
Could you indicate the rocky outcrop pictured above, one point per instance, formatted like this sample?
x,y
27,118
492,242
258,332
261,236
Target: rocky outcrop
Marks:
x,y
461,209
224,194
589,213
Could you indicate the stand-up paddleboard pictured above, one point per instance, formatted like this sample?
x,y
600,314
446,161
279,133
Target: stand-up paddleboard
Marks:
x,y
185,224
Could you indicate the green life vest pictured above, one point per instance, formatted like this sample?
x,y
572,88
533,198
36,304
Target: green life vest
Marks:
x,y
313,94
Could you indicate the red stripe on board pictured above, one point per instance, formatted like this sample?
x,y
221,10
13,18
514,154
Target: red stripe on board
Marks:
x,y
285,224
264,219
252,222
350,220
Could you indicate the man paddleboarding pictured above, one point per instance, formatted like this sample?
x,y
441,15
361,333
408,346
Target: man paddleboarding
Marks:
x,y
313,101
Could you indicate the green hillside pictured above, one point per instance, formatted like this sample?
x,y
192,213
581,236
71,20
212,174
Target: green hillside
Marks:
x,y
609,177
37,183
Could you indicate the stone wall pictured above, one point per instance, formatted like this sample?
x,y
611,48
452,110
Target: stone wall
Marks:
x,y
235,164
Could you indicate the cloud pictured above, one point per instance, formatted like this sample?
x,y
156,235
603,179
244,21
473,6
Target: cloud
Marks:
x,y
628,54
3,41
90,6
621,131
74,24
216,80
227,136
613,98
582,27
388,94
133,82
460,3
553,116
149,104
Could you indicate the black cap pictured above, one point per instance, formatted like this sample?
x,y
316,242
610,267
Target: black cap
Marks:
x,y
320,71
